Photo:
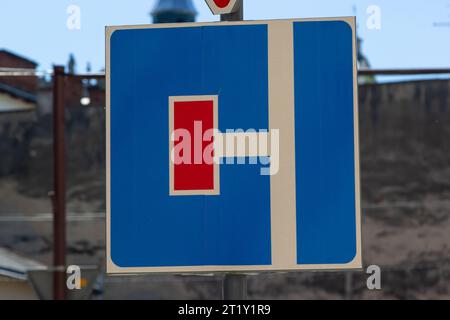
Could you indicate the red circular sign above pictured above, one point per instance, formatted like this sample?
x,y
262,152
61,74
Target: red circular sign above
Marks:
x,y
223,6
222,3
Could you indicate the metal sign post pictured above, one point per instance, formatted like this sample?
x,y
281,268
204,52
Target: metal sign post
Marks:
x,y
237,15
234,285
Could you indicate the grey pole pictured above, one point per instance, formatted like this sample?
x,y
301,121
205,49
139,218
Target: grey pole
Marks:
x,y
238,15
235,285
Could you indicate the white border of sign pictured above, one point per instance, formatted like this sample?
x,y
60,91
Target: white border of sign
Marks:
x,y
172,191
283,205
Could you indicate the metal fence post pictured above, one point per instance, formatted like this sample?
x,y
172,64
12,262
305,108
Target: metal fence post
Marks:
x,y
59,211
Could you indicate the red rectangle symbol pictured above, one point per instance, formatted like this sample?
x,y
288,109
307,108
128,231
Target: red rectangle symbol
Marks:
x,y
191,172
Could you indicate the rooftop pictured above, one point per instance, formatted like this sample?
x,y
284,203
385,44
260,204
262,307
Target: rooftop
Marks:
x,y
17,56
15,266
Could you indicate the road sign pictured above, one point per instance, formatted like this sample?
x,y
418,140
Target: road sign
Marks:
x,y
233,147
223,6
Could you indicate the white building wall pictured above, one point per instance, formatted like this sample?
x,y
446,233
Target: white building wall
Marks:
x,y
10,104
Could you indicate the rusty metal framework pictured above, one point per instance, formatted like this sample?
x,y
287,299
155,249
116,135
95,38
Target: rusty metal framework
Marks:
x,y
20,72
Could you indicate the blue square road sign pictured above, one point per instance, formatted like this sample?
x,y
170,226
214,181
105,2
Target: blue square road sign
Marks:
x,y
295,208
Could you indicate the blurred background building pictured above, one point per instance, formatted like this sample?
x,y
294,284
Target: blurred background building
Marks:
x,y
17,93
173,11
14,281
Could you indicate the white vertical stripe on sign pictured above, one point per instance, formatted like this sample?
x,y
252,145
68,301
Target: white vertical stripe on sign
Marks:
x,y
281,116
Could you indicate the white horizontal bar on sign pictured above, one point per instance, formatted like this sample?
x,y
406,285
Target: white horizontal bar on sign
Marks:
x,y
242,144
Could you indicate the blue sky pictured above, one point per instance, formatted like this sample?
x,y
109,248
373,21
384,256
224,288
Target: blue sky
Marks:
x,y
407,38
